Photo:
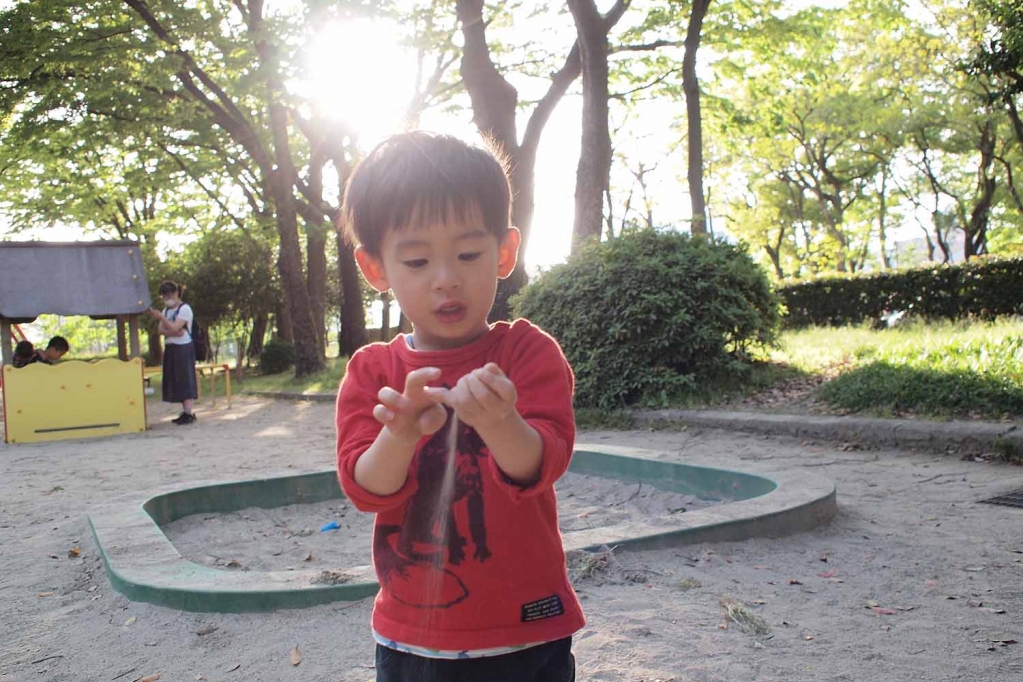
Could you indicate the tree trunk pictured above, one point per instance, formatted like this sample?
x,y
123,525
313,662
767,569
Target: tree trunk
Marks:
x,y
353,314
882,215
975,242
495,105
385,317
283,322
694,117
775,260
257,337
308,358
155,354
316,279
593,172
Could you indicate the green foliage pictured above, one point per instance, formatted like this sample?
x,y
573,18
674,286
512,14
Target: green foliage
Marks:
x,y
86,337
983,287
229,275
959,378
277,357
644,317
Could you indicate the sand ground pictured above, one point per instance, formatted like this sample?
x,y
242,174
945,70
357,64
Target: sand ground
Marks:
x,y
914,580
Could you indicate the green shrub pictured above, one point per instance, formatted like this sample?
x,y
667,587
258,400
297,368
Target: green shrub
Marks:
x,y
645,317
982,287
277,356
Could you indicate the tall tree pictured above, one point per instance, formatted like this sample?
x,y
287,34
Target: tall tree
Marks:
x,y
694,117
593,173
495,104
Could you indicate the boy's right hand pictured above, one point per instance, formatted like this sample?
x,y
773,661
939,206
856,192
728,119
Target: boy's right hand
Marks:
x,y
412,414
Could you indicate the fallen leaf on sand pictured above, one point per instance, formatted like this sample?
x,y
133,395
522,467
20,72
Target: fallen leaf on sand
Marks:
x,y
234,667
881,611
130,620
74,552
150,678
45,594
296,656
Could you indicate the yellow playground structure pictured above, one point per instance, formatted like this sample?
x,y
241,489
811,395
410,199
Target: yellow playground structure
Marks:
x,y
104,280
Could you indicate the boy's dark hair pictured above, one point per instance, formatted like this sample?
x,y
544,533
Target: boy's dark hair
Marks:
x,y
58,343
24,349
418,178
169,287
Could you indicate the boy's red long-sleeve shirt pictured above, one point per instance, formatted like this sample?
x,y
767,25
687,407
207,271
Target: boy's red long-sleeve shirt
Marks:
x,y
488,570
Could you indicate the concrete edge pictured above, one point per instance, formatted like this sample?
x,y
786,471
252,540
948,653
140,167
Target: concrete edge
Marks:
x,y
964,437
285,395
144,565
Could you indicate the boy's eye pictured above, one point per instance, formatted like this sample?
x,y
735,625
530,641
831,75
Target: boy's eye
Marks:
x,y
470,256
415,263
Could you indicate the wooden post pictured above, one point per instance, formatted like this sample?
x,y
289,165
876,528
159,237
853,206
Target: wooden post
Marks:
x,y
133,334
6,352
122,344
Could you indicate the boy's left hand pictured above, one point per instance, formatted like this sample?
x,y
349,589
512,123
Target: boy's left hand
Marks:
x,y
483,397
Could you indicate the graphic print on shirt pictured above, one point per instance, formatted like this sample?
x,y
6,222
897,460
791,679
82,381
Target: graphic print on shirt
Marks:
x,y
417,553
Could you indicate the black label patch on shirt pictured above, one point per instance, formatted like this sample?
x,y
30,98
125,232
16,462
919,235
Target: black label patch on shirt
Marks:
x,y
548,607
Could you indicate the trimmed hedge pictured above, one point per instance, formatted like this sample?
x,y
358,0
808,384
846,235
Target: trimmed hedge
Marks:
x,y
982,287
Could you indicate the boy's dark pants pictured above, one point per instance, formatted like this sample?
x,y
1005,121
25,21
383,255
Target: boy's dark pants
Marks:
x,y
551,662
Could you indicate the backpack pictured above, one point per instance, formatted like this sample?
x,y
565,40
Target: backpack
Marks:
x,y
198,335
202,347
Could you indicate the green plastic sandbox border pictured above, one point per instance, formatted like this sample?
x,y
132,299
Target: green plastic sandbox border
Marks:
x,y
144,565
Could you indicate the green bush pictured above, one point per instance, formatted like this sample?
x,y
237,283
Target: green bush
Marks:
x,y
277,356
982,287
645,317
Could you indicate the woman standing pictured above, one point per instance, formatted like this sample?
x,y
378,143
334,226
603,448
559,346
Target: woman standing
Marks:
x,y
179,352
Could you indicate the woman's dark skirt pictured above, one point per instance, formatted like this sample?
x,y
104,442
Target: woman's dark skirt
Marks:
x,y
179,373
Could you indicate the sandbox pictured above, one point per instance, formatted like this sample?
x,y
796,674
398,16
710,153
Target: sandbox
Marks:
x,y
144,564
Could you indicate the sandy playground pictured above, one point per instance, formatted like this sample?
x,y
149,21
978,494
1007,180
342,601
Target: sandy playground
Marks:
x,y
912,581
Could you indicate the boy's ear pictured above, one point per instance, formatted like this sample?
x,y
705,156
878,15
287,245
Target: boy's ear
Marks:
x,y
508,252
372,269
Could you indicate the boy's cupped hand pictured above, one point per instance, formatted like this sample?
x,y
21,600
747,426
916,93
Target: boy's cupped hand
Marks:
x,y
482,397
413,413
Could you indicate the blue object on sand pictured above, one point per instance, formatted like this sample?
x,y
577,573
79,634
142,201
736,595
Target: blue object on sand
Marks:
x,y
330,526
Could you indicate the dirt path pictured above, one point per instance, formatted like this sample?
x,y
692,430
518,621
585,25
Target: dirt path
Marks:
x,y
909,541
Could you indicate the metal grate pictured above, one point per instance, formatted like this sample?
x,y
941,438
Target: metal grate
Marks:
x,y
1013,499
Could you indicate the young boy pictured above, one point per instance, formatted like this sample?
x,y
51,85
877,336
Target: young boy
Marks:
x,y
467,552
55,350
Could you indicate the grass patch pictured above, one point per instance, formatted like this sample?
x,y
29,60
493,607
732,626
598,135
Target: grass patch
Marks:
x,y
746,620
940,370
326,381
